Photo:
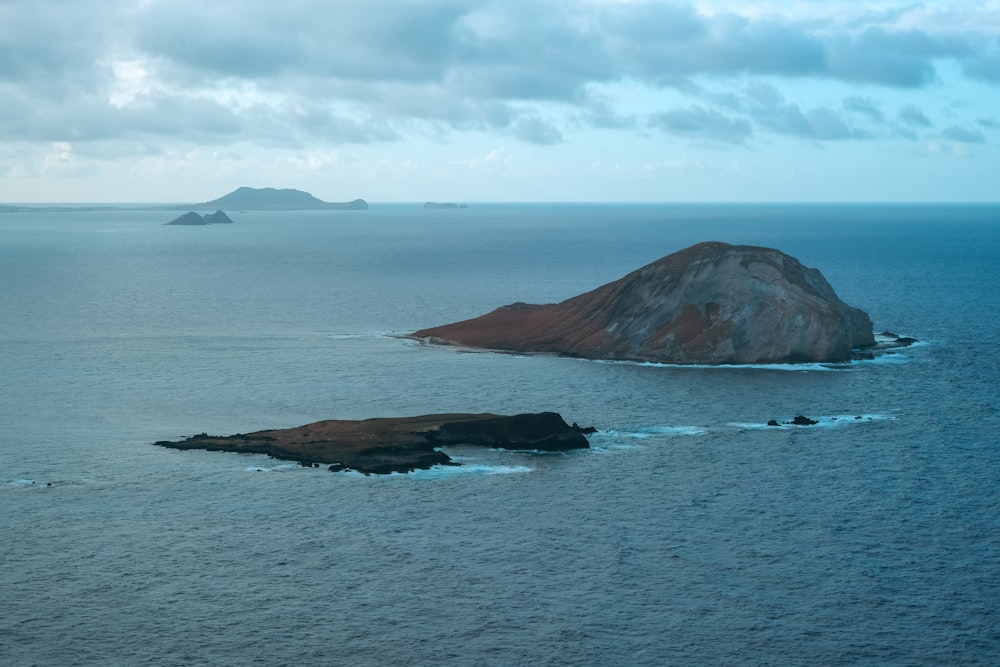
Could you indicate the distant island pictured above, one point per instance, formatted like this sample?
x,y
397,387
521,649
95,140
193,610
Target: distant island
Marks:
x,y
434,204
241,199
397,444
271,199
192,218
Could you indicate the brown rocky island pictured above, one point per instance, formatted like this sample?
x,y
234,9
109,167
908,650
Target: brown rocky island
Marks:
x,y
400,444
713,303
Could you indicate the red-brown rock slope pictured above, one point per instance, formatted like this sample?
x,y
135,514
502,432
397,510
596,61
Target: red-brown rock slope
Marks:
x,y
713,303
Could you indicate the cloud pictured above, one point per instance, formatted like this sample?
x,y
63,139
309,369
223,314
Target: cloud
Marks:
x,y
536,130
819,124
702,124
301,72
985,63
864,106
662,43
903,59
963,135
769,109
387,40
912,116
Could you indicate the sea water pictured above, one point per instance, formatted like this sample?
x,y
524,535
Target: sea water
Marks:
x,y
690,532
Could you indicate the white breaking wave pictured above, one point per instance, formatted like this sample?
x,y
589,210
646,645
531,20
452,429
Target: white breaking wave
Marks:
x,y
439,472
281,467
891,356
828,421
649,432
354,336
763,367
887,358
471,469
757,367
444,471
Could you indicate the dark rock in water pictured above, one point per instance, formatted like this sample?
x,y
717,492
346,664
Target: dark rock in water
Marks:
x,y
800,420
380,446
712,303
888,340
192,218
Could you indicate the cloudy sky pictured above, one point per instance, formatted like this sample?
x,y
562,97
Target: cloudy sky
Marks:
x,y
500,100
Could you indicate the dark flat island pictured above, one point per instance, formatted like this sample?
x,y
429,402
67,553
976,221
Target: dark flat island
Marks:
x,y
397,444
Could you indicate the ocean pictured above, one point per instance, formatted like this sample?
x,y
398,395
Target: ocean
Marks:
x,y
689,534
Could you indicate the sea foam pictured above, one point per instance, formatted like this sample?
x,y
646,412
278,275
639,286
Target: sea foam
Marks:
x,y
823,421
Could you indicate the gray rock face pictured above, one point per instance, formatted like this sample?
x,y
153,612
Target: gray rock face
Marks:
x,y
712,303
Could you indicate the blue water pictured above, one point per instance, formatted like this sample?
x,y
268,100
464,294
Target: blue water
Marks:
x,y
689,534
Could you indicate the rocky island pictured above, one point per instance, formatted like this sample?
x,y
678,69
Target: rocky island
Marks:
x,y
271,199
192,218
712,303
400,444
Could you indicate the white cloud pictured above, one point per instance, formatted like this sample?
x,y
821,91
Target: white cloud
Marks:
x,y
131,79
60,157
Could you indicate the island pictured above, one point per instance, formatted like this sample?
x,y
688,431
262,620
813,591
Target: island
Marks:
x,y
397,444
271,199
713,303
192,218
446,205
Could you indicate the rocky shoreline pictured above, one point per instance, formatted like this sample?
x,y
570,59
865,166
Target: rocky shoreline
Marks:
x,y
398,444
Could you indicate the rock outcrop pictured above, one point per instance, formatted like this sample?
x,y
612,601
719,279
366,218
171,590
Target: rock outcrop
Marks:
x,y
192,218
403,444
800,420
712,303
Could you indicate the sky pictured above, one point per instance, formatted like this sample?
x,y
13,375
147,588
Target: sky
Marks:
x,y
501,100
